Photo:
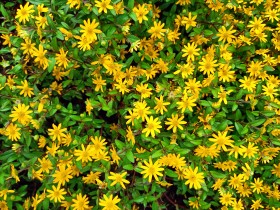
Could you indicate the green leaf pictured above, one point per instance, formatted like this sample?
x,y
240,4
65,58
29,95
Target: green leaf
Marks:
x,y
128,167
234,107
238,127
218,175
130,4
205,103
129,155
119,144
132,38
208,32
157,153
268,113
51,64
258,122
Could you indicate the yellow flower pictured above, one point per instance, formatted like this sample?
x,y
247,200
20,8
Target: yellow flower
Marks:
x,y
103,5
46,165
226,35
118,178
222,95
226,199
91,177
89,30
109,203
186,103
122,86
221,140
194,179
270,90
249,151
236,181
190,51
144,90
99,82
276,170
185,70
175,122
24,12
62,175
257,185
129,135
56,194
40,57
3,193
256,204
3,205
61,58
41,21
21,114
248,83
141,110
141,12
84,155
160,105
189,21
28,47
7,40
114,155
151,170
207,65
152,126
57,132
12,131
80,203
98,143
26,91
157,30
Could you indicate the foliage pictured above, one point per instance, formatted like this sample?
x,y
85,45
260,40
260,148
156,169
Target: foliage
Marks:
x,y
134,105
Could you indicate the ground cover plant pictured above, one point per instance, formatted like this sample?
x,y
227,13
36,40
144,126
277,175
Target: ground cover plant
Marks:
x,y
139,104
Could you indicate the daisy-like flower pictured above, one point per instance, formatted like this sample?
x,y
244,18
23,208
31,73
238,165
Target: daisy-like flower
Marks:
x,y
24,12
12,131
25,89
80,203
109,203
226,35
152,126
151,170
21,114
61,58
118,178
194,179
190,51
57,132
221,140
103,5
175,122
160,105
84,155
40,57
141,11
56,194
89,30
157,30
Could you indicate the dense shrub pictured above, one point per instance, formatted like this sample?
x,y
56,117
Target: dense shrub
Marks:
x,y
139,105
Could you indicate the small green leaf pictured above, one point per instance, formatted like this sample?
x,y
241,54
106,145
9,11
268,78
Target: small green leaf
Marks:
x,y
218,175
129,155
238,127
258,122
130,4
119,144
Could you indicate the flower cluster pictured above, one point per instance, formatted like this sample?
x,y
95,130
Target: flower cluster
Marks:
x,y
127,104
